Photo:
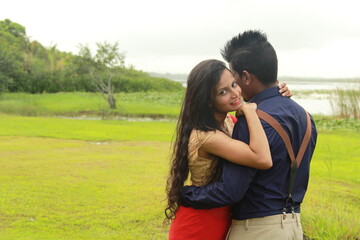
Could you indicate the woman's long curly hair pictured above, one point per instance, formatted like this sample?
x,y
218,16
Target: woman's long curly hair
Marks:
x,y
196,113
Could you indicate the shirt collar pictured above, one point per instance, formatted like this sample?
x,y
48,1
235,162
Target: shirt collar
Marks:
x,y
265,94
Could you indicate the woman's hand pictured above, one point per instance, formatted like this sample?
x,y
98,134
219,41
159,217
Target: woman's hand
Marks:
x,y
246,107
284,90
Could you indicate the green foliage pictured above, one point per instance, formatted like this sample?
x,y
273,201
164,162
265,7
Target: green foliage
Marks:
x,y
130,80
27,66
109,55
14,29
332,124
11,58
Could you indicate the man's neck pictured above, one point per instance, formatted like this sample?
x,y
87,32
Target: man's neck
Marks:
x,y
260,87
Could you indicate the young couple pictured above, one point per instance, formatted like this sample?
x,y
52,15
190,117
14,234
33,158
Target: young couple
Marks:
x,y
240,185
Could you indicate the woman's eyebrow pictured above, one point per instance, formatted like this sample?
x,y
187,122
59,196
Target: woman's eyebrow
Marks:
x,y
222,88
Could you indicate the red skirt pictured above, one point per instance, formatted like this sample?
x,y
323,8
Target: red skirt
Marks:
x,y
200,224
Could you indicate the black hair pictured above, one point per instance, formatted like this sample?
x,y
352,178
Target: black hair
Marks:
x,y
196,113
252,52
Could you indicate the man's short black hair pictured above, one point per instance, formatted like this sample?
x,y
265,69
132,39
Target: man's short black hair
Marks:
x,y
252,52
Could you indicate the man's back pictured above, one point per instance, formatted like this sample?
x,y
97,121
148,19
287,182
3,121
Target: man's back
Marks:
x,y
267,191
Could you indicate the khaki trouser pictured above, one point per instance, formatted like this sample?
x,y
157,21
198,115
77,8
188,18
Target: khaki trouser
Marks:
x,y
270,227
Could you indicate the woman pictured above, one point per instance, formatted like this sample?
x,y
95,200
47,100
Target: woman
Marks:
x,y
204,137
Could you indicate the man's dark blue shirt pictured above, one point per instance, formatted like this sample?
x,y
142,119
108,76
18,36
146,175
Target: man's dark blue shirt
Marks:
x,y
258,193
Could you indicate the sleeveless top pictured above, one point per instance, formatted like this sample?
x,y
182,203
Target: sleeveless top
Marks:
x,y
201,169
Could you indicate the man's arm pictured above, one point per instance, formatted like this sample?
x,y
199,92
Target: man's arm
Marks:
x,y
231,187
228,190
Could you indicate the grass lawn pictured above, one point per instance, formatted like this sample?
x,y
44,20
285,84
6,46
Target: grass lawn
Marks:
x,y
331,206
152,104
92,130
71,189
103,179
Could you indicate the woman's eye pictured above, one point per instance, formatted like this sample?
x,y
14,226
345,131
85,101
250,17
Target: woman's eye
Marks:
x,y
222,92
234,84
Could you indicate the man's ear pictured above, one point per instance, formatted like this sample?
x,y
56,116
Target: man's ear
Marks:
x,y
246,77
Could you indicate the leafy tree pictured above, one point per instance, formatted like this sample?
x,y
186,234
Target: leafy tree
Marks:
x,y
11,60
13,28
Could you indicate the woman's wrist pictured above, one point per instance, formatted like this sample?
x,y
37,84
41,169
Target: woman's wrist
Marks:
x,y
248,109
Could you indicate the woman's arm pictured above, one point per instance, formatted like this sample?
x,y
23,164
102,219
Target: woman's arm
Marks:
x,y
256,154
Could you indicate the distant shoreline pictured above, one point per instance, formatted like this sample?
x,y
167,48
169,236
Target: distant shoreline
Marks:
x,y
182,78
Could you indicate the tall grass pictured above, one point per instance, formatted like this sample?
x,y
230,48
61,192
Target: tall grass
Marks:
x,y
346,101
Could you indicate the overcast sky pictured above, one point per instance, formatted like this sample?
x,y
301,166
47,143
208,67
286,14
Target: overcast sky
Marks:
x,y
312,38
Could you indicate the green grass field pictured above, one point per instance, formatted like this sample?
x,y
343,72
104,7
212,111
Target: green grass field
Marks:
x,y
331,206
141,104
105,179
82,179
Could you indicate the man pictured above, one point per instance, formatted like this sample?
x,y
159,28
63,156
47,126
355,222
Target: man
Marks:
x,y
262,205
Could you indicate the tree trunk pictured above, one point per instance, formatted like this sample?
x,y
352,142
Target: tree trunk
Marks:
x,y
111,101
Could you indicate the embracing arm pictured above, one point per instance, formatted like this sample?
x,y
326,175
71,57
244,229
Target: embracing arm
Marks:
x,y
230,189
234,182
284,90
256,154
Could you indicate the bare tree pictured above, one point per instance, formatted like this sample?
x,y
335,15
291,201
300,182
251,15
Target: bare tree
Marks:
x,y
102,67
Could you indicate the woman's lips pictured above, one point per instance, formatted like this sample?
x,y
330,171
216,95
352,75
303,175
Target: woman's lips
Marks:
x,y
236,102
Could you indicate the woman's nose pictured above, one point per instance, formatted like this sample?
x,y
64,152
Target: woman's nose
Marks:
x,y
235,93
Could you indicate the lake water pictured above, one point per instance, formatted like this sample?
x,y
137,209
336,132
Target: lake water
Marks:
x,y
315,103
318,103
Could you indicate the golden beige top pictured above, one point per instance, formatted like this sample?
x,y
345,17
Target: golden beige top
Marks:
x,y
201,168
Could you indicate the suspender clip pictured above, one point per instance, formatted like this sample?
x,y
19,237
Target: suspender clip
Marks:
x,y
293,211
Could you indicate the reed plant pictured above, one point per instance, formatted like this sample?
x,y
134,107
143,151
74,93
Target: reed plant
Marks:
x,y
345,100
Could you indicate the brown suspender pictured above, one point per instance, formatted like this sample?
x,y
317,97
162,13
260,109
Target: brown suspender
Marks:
x,y
285,137
295,162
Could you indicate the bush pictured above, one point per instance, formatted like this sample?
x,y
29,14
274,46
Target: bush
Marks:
x,y
129,80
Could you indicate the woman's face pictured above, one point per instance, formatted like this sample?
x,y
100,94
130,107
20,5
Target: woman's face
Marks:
x,y
227,94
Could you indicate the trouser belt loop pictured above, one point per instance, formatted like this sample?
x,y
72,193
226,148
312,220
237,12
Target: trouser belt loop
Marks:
x,y
247,224
282,220
297,220
293,212
284,213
